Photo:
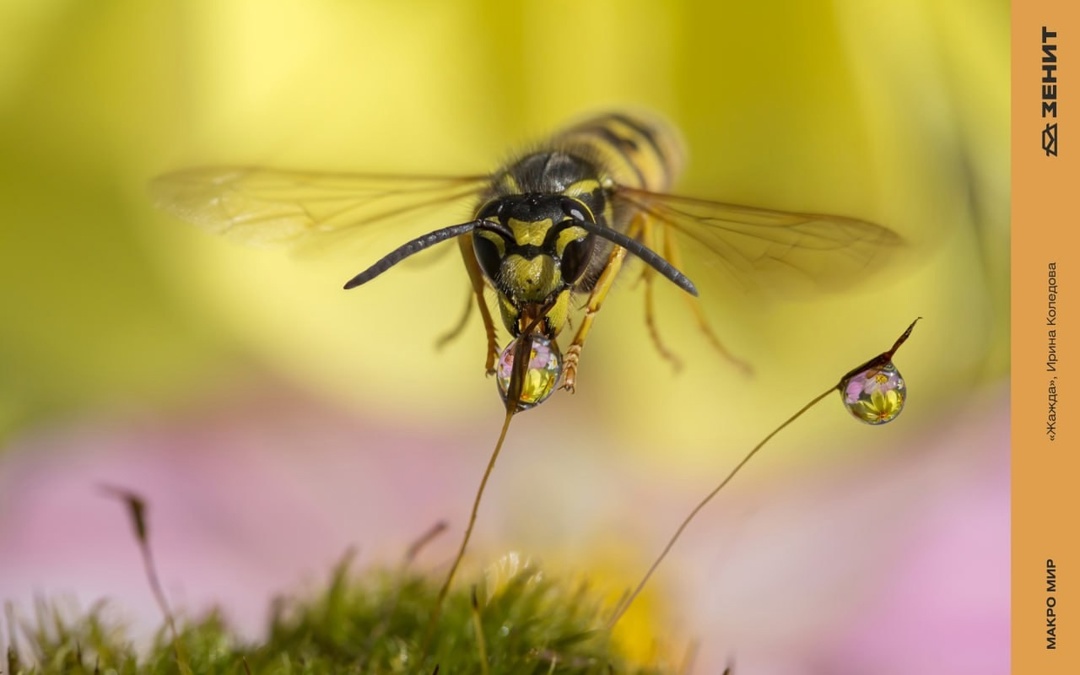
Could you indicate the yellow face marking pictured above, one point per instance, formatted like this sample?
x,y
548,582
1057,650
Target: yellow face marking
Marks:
x,y
530,280
526,233
509,313
572,233
556,316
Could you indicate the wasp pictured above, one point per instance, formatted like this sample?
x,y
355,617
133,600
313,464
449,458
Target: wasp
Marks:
x,y
549,232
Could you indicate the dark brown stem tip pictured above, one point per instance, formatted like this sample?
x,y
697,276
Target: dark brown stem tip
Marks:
x,y
903,338
136,506
880,359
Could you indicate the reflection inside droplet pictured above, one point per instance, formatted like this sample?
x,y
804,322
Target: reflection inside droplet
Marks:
x,y
875,395
542,376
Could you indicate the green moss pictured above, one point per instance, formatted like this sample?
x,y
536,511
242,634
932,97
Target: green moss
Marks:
x,y
376,623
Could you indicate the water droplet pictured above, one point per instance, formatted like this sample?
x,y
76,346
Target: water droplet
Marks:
x,y
875,395
545,369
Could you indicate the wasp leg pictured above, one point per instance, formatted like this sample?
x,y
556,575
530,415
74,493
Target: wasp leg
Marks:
x,y
596,299
648,276
450,335
476,278
671,254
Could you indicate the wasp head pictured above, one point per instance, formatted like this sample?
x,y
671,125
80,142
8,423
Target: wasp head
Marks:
x,y
534,250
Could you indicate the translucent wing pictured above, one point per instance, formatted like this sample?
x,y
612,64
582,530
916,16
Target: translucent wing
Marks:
x,y
761,248
265,206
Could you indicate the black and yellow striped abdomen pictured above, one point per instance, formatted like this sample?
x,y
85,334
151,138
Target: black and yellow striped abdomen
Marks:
x,y
631,149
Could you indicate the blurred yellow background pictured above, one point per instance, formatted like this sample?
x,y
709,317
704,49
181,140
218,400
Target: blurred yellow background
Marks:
x,y
895,112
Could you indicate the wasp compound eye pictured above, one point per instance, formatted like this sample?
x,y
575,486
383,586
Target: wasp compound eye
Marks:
x,y
542,375
488,255
576,257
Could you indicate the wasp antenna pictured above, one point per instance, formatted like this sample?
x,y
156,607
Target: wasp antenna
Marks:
x,y
646,254
409,248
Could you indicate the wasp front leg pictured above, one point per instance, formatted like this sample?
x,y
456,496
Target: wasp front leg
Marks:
x,y
596,299
476,279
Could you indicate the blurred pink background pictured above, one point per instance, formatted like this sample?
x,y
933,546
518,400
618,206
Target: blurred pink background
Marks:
x,y
895,560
